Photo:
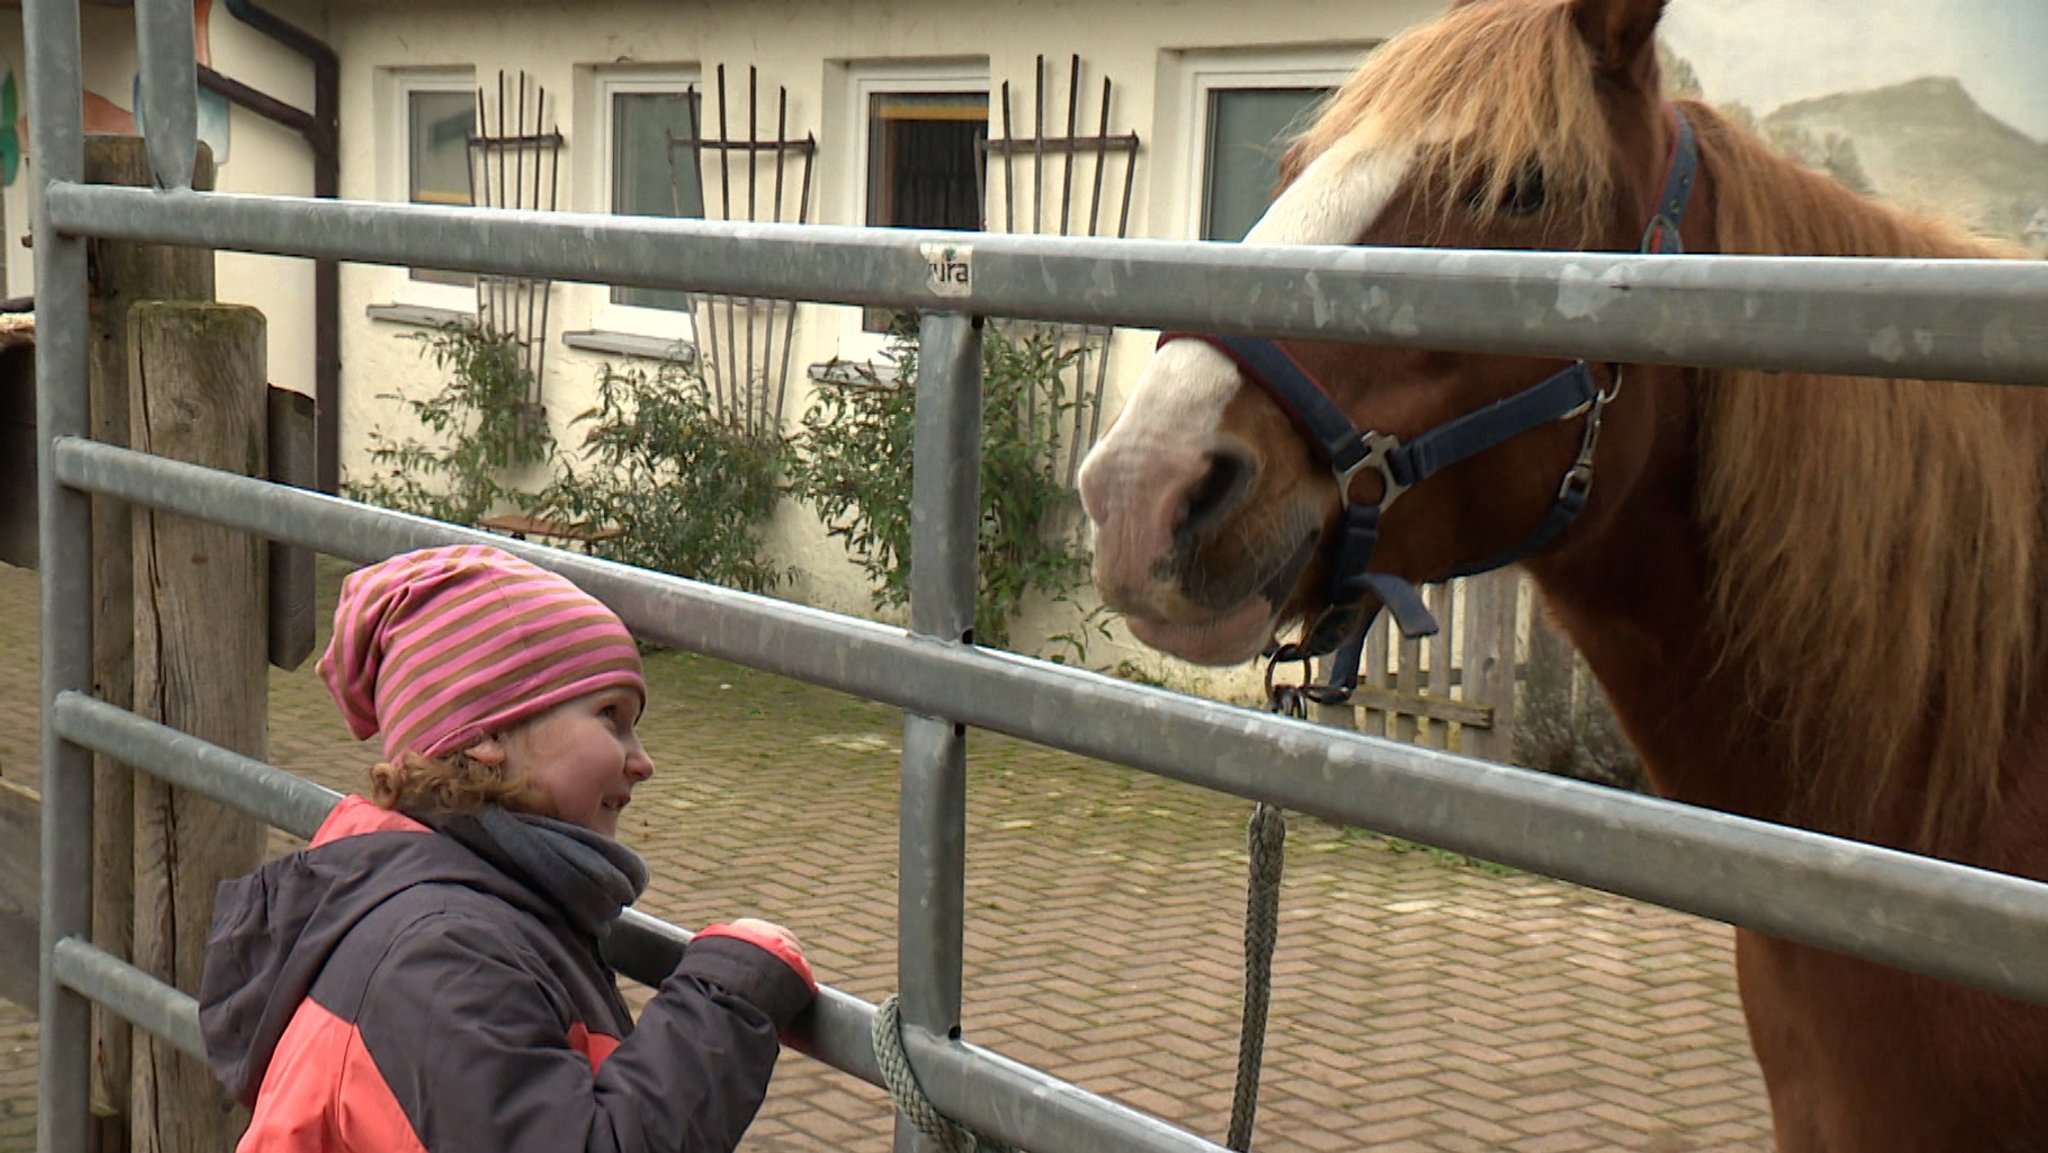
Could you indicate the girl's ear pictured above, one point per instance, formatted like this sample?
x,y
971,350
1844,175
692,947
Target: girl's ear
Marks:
x,y
489,751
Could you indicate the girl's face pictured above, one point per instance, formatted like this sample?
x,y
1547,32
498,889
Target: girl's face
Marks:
x,y
582,755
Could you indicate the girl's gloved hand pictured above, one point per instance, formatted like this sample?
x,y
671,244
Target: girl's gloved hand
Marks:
x,y
769,936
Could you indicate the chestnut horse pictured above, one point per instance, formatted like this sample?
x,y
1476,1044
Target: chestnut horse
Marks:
x,y
1811,600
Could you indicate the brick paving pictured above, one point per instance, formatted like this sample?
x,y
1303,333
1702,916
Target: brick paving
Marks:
x,y
1421,1002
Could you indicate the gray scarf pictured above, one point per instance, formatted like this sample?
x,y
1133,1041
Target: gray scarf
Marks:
x,y
588,875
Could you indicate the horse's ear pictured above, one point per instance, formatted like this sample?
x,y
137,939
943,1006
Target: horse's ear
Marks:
x,y
1622,33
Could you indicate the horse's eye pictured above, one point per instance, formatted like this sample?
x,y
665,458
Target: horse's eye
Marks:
x,y
1523,195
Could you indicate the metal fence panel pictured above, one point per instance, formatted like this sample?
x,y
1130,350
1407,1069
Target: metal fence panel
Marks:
x,y
1938,917
1964,320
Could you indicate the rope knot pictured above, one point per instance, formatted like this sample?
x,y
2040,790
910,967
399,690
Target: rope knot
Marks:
x,y
887,1036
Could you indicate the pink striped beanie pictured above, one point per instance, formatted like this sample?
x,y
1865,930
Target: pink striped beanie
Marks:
x,y
440,648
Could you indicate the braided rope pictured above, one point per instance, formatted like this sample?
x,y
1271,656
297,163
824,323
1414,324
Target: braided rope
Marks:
x,y
901,1080
1266,836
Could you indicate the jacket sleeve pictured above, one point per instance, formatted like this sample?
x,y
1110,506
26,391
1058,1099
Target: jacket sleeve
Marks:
x,y
471,1036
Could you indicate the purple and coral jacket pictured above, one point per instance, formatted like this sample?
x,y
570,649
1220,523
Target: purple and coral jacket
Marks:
x,y
390,989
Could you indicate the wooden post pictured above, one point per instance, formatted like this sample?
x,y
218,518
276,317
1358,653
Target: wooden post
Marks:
x,y
121,275
1443,602
1376,675
197,375
1489,654
1344,716
1408,681
291,447
20,867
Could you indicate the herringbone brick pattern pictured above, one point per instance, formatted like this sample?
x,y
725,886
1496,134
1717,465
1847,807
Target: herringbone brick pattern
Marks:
x,y
1420,1003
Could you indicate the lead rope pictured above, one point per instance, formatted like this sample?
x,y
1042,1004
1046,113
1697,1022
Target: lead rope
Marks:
x,y
1266,838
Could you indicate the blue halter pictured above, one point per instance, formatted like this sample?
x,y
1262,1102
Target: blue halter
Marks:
x,y
1564,395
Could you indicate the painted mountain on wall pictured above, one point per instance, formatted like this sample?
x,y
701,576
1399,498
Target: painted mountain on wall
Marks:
x,y
1927,144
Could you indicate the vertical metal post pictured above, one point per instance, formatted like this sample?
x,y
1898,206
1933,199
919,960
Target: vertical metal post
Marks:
x,y
64,521
170,89
945,509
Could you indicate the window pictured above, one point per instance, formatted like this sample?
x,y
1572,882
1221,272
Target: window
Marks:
x,y
654,124
1248,130
1225,120
921,132
437,113
925,163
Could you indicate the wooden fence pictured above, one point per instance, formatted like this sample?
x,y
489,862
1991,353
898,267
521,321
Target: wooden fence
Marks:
x,y
1496,681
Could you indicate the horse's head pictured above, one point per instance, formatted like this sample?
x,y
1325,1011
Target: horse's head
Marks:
x,y
1521,124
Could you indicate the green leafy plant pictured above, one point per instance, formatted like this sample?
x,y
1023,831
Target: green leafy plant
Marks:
x,y
483,423
854,467
686,489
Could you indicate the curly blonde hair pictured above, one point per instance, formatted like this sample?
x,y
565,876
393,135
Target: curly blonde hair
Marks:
x,y
455,783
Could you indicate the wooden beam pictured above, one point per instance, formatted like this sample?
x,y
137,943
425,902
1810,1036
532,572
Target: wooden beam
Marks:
x,y
122,274
197,373
20,834
1412,705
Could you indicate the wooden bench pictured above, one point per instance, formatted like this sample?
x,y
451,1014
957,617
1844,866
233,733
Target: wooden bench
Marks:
x,y
520,527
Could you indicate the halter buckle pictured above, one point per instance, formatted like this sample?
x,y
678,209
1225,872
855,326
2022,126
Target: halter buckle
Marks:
x,y
1379,451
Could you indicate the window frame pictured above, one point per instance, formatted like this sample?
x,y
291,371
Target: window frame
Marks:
x,y
607,314
865,80
1199,74
400,84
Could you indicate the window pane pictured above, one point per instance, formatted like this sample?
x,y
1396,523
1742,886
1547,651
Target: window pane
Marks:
x,y
439,126
1248,131
924,167
651,175
437,166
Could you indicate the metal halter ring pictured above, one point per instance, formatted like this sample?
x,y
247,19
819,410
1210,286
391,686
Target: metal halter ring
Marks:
x,y
1288,700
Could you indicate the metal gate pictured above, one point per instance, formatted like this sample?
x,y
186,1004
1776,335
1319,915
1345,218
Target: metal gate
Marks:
x,y
1956,320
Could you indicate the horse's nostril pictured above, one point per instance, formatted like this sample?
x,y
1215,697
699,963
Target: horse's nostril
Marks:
x,y
1221,489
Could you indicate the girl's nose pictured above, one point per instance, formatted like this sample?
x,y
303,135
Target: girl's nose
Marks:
x,y
639,766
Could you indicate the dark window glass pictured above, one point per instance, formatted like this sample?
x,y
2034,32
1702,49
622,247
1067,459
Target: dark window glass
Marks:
x,y
925,165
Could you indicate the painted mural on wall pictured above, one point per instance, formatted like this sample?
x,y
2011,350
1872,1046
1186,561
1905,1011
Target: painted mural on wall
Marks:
x,y
105,115
1942,107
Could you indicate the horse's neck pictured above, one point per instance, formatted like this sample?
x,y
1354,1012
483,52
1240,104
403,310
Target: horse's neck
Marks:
x,y
1633,596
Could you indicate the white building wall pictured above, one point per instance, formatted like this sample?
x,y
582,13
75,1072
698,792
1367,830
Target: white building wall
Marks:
x,y
264,157
812,48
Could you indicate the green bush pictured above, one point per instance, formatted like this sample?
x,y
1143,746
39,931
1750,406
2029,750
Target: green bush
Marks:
x,y
484,423
688,489
854,464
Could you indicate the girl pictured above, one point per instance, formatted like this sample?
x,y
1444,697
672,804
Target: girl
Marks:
x,y
425,975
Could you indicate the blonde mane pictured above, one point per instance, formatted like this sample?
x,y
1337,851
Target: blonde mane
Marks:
x,y
1877,545
1488,90
1879,542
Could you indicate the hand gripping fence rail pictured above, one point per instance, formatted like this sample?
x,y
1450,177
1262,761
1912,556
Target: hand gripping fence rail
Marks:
x,y
1963,320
